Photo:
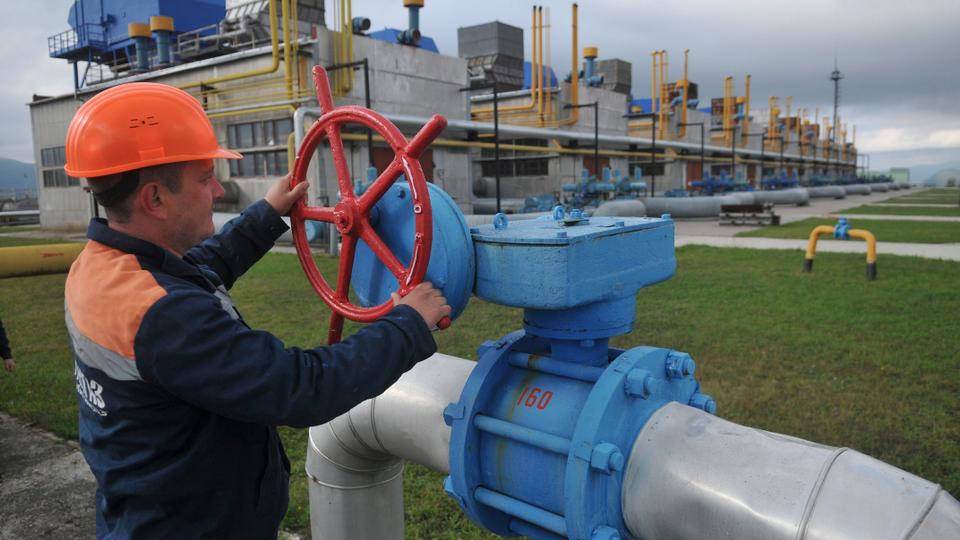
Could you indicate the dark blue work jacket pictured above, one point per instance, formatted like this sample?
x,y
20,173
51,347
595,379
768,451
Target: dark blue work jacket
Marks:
x,y
179,398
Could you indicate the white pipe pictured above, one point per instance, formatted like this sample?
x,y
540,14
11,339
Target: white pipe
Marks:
x,y
551,133
693,475
353,462
690,474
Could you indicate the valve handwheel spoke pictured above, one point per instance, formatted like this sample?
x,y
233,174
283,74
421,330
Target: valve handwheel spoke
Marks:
x,y
351,215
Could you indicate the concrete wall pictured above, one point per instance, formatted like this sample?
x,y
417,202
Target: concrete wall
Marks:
x,y
59,206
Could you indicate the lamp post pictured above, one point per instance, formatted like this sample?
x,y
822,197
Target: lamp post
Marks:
x,y
733,150
653,147
496,134
702,140
596,131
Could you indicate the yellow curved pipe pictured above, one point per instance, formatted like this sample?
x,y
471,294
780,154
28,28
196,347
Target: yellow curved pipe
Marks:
x,y
871,242
812,244
274,42
43,259
533,80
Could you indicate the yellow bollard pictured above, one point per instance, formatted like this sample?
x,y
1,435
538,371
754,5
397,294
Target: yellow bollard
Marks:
x,y
42,259
851,233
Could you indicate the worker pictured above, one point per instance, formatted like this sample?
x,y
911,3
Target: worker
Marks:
x,y
179,398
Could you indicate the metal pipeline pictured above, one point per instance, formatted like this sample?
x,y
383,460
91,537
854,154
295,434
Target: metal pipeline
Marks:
x,y
731,481
353,462
42,259
275,59
689,474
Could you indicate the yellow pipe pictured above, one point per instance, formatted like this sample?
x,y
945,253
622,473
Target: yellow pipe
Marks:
x,y
786,131
814,235
255,110
746,110
274,42
664,103
686,96
43,259
540,62
574,78
533,68
287,48
653,82
728,102
871,243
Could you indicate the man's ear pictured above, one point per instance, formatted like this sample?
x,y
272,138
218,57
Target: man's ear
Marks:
x,y
152,200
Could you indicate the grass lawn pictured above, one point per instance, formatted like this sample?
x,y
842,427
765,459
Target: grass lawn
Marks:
x,y
14,241
902,210
932,196
826,356
922,232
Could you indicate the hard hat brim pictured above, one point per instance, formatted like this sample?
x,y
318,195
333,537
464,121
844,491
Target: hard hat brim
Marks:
x,y
219,153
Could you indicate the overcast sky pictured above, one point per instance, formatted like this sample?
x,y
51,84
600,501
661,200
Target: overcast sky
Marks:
x,y
900,60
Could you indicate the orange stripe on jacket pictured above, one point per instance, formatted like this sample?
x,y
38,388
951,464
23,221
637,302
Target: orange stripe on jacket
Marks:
x,y
107,294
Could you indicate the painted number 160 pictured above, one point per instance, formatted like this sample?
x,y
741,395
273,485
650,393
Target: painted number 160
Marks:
x,y
535,397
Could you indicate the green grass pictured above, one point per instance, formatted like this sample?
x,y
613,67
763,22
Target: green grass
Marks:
x,y
826,356
902,210
921,232
14,241
933,196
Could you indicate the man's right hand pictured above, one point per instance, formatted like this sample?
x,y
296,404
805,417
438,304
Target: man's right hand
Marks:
x,y
9,364
427,301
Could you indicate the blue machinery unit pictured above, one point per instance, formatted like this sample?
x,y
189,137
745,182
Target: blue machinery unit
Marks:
x,y
543,427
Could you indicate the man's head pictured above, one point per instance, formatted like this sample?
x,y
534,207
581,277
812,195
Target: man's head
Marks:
x,y
147,151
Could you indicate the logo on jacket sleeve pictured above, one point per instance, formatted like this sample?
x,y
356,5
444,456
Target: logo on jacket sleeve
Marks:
x,y
90,391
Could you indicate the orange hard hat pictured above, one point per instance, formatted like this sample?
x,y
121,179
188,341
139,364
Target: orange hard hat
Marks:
x,y
136,125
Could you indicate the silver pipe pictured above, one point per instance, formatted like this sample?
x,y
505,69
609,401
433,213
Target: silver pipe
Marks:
x,y
354,462
693,475
508,130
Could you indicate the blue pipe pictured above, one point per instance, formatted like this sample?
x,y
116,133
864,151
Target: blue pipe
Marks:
x,y
142,45
527,512
509,430
163,47
411,36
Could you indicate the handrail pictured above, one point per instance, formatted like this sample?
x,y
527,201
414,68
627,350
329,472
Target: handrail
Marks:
x,y
275,56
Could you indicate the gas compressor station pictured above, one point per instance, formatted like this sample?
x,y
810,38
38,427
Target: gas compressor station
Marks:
x,y
551,432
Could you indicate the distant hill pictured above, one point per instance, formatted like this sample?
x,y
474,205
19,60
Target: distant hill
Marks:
x,y
942,177
920,173
17,175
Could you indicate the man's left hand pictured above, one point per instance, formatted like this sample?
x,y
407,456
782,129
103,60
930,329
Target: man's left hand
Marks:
x,y
282,198
9,364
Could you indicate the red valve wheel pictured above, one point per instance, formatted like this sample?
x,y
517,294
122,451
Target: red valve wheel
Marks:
x,y
351,215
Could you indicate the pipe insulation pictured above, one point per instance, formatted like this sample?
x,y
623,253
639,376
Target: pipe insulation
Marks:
x,y
857,189
354,461
693,475
827,192
40,259
690,475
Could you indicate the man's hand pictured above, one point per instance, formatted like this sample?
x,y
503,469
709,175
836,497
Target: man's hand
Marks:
x,y
427,301
281,197
10,365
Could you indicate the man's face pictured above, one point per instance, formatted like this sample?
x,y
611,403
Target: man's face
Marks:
x,y
192,214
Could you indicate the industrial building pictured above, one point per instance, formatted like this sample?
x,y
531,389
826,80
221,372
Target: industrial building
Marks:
x,y
248,64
